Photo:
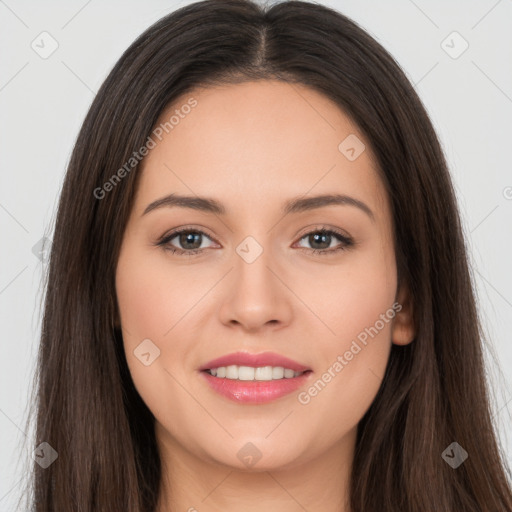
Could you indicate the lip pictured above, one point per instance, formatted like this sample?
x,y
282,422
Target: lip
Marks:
x,y
256,391
255,360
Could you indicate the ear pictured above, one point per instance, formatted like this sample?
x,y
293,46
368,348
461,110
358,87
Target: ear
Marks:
x,y
403,330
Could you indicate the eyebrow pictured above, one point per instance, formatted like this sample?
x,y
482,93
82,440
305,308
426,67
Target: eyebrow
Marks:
x,y
295,205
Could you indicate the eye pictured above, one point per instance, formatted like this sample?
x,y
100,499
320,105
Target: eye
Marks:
x,y
322,238
189,239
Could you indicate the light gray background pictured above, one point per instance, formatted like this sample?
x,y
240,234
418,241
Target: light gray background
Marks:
x,y
43,103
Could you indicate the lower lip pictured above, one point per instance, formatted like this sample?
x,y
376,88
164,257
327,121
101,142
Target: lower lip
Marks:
x,y
255,391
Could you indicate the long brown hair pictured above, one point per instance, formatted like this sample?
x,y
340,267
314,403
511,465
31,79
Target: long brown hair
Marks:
x,y
434,390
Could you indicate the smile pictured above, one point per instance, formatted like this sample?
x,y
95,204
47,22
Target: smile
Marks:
x,y
249,385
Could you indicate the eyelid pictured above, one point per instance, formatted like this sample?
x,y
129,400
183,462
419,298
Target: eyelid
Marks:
x,y
313,228
174,232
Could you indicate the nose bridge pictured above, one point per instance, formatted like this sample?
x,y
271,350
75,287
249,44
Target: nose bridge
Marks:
x,y
254,257
256,295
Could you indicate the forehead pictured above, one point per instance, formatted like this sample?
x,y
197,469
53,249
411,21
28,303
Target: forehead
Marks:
x,y
255,143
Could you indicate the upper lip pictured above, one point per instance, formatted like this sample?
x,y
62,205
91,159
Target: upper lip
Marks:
x,y
254,360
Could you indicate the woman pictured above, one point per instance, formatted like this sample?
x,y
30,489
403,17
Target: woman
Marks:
x,y
258,369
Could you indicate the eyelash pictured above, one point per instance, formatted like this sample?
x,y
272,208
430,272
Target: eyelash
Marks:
x,y
346,242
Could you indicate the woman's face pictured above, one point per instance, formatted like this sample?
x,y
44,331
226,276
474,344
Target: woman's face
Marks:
x,y
265,279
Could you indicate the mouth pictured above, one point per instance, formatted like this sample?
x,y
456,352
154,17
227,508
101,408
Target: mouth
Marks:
x,y
254,378
254,385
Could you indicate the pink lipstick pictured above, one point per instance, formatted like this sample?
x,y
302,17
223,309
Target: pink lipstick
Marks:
x,y
254,378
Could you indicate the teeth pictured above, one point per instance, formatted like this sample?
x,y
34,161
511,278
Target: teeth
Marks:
x,y
235,372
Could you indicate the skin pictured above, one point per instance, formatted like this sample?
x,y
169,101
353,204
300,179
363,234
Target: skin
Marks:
x,y
253,146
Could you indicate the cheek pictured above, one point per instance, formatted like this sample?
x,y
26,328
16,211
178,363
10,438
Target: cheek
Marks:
x,y
358,308
150,302
364,317
361,301
350,297
147,308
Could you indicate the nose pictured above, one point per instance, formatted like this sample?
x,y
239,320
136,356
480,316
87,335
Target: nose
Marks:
x,y
256,295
